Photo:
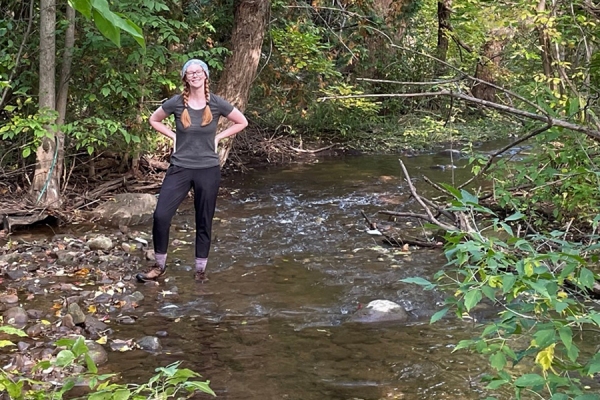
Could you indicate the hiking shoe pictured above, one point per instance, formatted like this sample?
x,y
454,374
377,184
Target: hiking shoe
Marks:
x,y
200,276
152,274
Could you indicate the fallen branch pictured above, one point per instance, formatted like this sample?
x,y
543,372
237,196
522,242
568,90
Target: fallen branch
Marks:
x,y
312,151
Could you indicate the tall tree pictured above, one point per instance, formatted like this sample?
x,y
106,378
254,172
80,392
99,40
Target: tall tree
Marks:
x,y
45,187
240,68
489,63
444,11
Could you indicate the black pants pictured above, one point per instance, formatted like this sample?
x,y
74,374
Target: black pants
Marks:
x,y
175,187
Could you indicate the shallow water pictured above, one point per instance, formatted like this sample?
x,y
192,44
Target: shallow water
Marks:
x,y
290,262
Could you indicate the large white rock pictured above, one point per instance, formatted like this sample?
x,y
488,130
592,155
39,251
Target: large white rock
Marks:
x,y
380,311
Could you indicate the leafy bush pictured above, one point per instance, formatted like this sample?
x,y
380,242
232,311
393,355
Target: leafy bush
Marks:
x,y
168,382
540,284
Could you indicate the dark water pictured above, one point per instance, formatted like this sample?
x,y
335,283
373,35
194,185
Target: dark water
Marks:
x,y
291,260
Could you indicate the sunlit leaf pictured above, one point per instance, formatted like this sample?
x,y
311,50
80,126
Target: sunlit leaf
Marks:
x,y
545,357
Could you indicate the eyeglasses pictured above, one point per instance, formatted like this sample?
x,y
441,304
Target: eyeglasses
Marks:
x,y
196,73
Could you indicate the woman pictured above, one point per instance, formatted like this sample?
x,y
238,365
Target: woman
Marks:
x,y
194,162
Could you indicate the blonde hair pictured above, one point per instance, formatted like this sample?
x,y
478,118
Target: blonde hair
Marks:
x,y
207,116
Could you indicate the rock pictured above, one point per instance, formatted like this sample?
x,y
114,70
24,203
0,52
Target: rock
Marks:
x,y
15,274
149,343
22,346
162,333
75,311
97,352
35,314
94,323
35,330
100,242
453,153
380,311
128,303
9,298
126,209
16,316
67,257
137,296
9,258
67,322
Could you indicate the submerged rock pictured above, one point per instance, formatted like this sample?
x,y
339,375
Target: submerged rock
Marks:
x,y
380,311
16,316
149,343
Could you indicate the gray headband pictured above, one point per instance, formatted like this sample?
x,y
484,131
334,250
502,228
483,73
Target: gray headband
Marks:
x,y
195,61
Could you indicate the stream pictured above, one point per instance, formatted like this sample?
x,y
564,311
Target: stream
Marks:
x,y
291,261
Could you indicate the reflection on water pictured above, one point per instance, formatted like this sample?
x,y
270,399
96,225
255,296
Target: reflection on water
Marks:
x,y
291,261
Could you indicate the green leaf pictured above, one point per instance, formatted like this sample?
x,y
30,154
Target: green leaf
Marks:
x,y
516,216
13,331
83,6
587,397
544,338
489,292
508,281
6,343
566,336
26,152
495,384
106,26
121,394
463,344
529,380
79,347
64,358
419,281
91,365
593,367
438,315
472,298
65,342
131,28
559,396
586,278
498,361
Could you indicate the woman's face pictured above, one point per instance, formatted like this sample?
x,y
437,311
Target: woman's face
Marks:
x,y
195,76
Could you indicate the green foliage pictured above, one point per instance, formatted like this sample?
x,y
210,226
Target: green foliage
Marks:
x,y
94,134
108,23
33,127
539,284
560,175
168,382
345,114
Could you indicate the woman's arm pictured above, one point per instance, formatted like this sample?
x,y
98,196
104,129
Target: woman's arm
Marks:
x,y
239,123
156,121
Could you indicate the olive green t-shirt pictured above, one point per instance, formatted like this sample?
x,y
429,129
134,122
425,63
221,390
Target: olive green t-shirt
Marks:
x,y
195,146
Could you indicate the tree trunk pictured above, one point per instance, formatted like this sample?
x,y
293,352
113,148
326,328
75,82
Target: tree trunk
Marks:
x,y
63,88
544,44
45,188
489,63
240,68
444,12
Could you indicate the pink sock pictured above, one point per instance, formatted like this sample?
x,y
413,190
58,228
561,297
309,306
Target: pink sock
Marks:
x,y
161,260
201,264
